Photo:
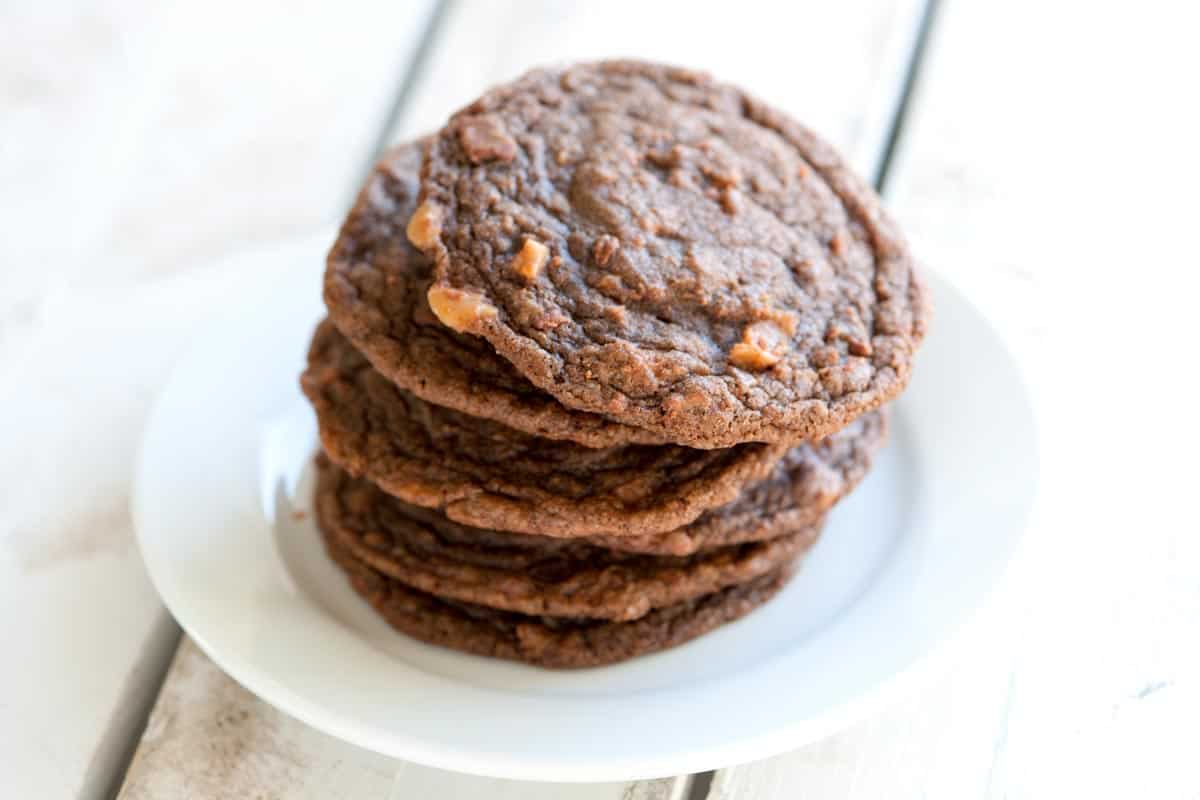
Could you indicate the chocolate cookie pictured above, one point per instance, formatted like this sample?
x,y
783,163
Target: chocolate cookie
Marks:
x,y
645,243
560,642
804,485
483,473
375,286
531,575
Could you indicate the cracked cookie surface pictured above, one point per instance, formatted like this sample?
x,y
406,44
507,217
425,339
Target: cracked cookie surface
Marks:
x,y
485,474
375,289
644,243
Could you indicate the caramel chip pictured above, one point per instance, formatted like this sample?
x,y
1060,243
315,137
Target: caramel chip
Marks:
x,y
838,244
425,226
459,310
786,320
532,258
730,200
749,356
762,345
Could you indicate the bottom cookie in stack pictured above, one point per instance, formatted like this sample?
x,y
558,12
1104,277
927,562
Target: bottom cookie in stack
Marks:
x,y
585,601
560,642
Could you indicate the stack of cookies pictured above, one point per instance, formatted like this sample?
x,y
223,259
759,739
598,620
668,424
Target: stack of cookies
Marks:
x,y
601,354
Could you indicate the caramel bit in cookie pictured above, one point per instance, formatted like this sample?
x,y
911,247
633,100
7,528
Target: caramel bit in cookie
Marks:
x,y
837,245
762,345
605,248
751,356
459,310
531,260
484,138
786,320
859,347
730,201
615,314
425,225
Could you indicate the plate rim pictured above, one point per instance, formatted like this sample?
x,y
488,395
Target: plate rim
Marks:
x,y
749,747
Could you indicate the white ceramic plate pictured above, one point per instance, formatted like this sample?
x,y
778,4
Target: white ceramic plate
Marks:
x,y
223,488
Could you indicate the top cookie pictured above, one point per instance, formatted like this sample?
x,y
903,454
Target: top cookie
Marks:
x,y
375,285
645,243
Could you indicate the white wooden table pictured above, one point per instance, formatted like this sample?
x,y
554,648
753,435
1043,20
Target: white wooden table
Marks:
x,y
1042,155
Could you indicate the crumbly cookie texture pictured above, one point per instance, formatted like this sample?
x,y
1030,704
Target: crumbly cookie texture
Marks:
x,y
556,642
805,484
649,245
531,575
377,292
483,473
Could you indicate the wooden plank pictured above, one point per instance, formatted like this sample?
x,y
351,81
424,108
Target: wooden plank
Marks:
x,y
929,744
837,66
1056,186
138,139
208,737
868,44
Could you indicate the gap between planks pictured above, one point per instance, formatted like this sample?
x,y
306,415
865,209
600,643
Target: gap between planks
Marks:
x,y
116,753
